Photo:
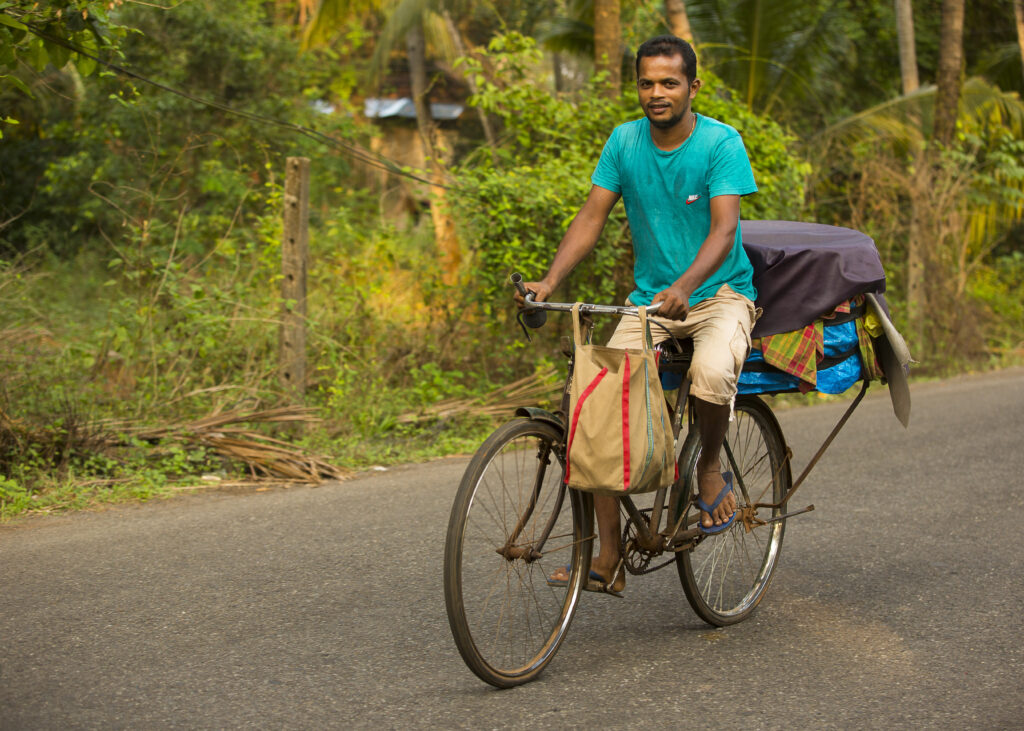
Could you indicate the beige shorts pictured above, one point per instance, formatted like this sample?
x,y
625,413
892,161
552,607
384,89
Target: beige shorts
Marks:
x,y
720,327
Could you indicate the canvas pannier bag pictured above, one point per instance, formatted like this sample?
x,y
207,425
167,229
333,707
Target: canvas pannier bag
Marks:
x,y
620,434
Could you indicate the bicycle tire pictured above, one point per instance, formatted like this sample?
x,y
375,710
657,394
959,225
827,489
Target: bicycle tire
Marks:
x,y
726,575
507,622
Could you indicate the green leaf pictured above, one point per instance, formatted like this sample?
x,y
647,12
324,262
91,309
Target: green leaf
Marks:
x,y
7,55
85,65
58,54
37,55
18,84
11,22
74,21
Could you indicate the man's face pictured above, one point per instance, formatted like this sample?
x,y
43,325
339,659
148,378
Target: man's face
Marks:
x,y
664,91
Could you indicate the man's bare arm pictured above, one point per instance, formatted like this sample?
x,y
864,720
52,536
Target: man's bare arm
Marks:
x,y
725,216
579,240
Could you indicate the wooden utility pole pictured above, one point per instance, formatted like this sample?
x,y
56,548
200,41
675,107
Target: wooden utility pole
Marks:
x,y
294,264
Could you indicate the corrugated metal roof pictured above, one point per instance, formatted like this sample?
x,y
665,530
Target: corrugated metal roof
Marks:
x,y
384,108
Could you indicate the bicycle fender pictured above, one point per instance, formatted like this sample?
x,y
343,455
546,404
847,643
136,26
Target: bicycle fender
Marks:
x,y
535,412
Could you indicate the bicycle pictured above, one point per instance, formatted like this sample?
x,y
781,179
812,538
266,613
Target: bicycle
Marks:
x,y
514,522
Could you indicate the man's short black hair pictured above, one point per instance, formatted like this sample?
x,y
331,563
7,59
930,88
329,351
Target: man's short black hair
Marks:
x,y
669,46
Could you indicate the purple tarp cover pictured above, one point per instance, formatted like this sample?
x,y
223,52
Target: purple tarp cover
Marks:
x,y
803,270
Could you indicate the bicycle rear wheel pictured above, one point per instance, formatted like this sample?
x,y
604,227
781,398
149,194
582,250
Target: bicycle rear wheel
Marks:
x,y
726,575
512,525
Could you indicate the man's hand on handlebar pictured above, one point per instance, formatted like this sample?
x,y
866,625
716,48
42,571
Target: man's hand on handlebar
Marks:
x,y
676,303
540,290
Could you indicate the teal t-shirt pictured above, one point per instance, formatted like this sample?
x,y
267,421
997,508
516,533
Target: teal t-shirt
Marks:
x,y
668,202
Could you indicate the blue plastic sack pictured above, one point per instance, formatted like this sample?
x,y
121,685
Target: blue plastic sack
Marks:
x,y
839,341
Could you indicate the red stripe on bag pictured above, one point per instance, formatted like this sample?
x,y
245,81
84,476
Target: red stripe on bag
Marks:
x,y
576,417
625,425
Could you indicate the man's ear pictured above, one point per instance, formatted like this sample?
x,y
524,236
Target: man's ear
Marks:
x,y
695,87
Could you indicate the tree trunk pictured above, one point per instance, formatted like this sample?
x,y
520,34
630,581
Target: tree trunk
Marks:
x,y
908,52
951,45
433,148
416,48
678,20
608,43
1018,11
916,295
460,48
755,56
916,252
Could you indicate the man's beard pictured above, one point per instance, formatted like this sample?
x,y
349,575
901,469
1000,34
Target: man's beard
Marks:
x,y
666,123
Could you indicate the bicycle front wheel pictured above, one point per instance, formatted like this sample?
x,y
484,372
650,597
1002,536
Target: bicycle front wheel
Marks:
x,y
726,574
513,524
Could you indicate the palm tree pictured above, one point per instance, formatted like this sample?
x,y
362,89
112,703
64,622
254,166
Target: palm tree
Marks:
x,y
908,53
608,43
678,21
1018,12
951,45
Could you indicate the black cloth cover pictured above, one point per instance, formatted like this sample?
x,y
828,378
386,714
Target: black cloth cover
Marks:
x,y
803,270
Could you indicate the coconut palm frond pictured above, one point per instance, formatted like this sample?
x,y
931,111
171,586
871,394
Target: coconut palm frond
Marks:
x,y
1001,64
567,35
439,37
982,103
810,55
330,17
898,120
782,42
404,16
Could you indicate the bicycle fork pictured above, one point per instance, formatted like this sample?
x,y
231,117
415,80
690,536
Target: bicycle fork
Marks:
x,y
530,552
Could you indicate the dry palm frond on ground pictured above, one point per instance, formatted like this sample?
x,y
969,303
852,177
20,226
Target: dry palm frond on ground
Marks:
x,y
230,435
529,391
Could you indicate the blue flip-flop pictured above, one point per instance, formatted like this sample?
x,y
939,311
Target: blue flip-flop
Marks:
x,y
596,583
710,509
594,576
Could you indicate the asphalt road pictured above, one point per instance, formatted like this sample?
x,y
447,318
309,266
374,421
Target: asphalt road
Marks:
x,y
897,602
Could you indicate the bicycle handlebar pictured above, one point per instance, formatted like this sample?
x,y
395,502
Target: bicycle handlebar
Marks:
x,y
532,308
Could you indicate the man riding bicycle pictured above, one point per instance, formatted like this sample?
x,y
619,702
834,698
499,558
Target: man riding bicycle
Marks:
x,y
681,176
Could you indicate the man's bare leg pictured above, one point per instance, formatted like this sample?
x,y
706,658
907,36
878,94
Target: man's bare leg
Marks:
x,y
713,421
606,509
607,560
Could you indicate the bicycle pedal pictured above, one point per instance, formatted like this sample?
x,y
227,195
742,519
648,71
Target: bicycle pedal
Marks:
x,y
777,518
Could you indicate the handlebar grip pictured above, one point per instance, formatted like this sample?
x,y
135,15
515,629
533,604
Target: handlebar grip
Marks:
x,y
532,318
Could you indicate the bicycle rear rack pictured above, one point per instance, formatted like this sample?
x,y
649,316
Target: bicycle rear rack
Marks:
x,y
814,460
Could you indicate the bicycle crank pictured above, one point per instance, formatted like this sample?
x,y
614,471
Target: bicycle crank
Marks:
x,y
748,516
